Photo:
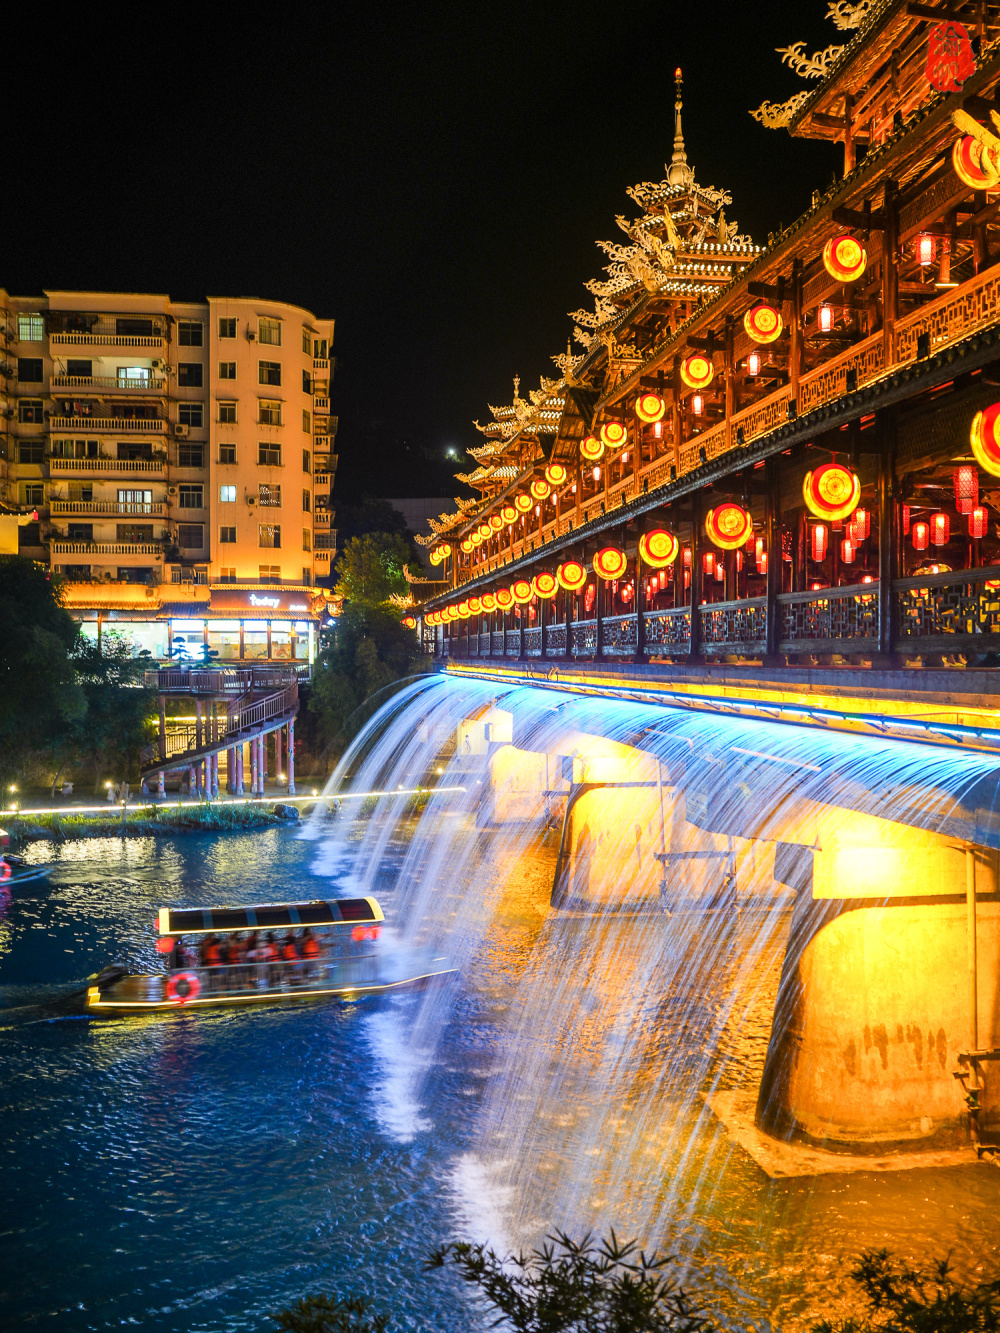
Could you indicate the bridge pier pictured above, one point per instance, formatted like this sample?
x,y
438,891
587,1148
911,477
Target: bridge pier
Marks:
x,y
161,789
291,758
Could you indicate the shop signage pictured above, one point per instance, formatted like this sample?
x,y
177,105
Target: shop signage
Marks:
x,y
262,604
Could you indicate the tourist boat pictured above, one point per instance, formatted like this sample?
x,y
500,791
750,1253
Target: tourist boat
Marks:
x,y
349,962
16,870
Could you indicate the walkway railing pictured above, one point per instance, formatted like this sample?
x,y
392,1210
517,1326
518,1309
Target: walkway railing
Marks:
x,y
956,613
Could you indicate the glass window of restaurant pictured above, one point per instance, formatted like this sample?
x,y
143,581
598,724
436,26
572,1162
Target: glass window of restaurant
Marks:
x,y
224,637
301,641
281,640
187,639
254,640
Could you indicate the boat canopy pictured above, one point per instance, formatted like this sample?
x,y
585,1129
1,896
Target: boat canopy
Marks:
x,y
269,916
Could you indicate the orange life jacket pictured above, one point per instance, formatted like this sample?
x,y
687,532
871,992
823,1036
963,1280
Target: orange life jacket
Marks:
x,y
310,948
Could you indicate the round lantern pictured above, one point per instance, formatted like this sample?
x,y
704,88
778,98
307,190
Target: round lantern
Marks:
x,y
697,371
489,601
978,522
985,439
509,514
522,503
966,480
485,530
464,610
845,258
728,525
610,563
505,599
819,536
434,556
591,449
556,474
521,590
614,434
763,323
920,535
476,538
973,164
466,544
926,250
650,407
831,491
544,585
496,522
658,548
410,622
540,489
571,575
940,529
475,605
445,550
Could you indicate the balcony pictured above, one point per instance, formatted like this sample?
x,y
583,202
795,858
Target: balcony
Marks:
x,y
107,383
107,548
117,425
321,405
113,508
80,329
320,364
109,466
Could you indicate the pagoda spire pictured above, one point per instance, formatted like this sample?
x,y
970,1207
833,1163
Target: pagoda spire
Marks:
x,y
679,173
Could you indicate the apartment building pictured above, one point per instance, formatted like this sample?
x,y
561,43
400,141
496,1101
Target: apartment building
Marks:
x,y
179,457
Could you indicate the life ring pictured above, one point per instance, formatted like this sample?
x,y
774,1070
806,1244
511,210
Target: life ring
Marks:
x,y
183,987
5,870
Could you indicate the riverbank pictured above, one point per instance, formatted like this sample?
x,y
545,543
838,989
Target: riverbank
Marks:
x,y
217,817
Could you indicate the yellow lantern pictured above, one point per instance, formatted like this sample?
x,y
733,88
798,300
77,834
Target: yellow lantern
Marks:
x,y
763,323
475,605
659,548
974,165
463,610
610,563
571,575
614,434
476,538
522,503
505,599
556,474
409,622
540,489
466,544
509,514
650,407
489,601
591,449
729,526
831,491
434,556
985,439
521,590
844,258
544,585
697,371
496,522
484,530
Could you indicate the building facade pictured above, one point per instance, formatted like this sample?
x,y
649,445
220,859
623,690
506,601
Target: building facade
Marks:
x,y
179,458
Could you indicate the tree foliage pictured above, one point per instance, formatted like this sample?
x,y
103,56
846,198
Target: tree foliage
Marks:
x,y
568,1286
40,696
115,726
370,568
902,1299
324,1314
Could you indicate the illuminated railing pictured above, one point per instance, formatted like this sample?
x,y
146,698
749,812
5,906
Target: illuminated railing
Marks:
x,y
831,620
738,627
949,613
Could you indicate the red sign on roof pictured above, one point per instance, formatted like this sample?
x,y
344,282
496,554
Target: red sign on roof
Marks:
x,y
950,60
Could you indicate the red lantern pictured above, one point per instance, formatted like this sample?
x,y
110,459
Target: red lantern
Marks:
x,y
409,622
545,585
847,551
824,318
505,599
950,58
697,404
659,548
819,537
845,258
973,164
754,364
940,529
728,525
920,535
164,944
906,520
867,578
571,575
762,563
650,407
720,571
978,522
597,474
687,557
697,371
862,524
926,251
521,589
831,491
658,430
708,563
610,563
763,323
759,553
966,481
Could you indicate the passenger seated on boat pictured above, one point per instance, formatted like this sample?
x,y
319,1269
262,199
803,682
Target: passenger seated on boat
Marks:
x,y
257,960
309,947
271,955
182,957
235,953
290,955
211,956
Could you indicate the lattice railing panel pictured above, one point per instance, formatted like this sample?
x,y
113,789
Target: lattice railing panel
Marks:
x,y
952,317
620,636
938,605
513,643
533,642
830,380
846,614
727,626
555,640
583,638
496,643
668,631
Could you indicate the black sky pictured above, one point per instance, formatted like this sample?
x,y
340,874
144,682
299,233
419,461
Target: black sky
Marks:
x,y
432,177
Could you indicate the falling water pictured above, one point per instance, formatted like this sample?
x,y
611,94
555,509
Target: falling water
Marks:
x,y
622,975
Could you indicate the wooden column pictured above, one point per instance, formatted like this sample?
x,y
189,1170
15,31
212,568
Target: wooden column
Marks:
x,y
694,600
730,380
640,611
887,525
543,608
774,561
162,703
599,594
849,156
890,274
291,757
675,414
795,350
579,490
570,599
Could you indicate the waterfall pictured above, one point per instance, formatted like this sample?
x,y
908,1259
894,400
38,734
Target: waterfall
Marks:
x,y
633,896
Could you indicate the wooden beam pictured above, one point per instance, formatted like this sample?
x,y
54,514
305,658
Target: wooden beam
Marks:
x,y
937,13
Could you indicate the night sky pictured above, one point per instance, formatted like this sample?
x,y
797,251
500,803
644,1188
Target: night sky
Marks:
x,y
432,177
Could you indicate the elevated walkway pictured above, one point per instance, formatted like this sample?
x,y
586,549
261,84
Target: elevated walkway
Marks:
x,y
244,707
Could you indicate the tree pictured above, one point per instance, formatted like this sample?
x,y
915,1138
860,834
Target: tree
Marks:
x,y
901,1299
568,1286
40,696
324,1314
368,649
119,708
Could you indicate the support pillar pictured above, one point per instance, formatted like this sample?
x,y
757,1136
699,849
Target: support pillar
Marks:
x,y
697,575
161,789
261,765
291,757
192,782
774,563
239,769
162,709
599,596
198,726
887,522
640,611
253,767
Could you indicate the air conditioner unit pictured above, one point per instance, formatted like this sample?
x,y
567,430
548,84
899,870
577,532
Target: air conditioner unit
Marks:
x,y
181,430
157,364
251,499
171,490
251,335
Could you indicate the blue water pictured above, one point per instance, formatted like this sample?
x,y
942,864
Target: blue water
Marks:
x,y
192,1171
